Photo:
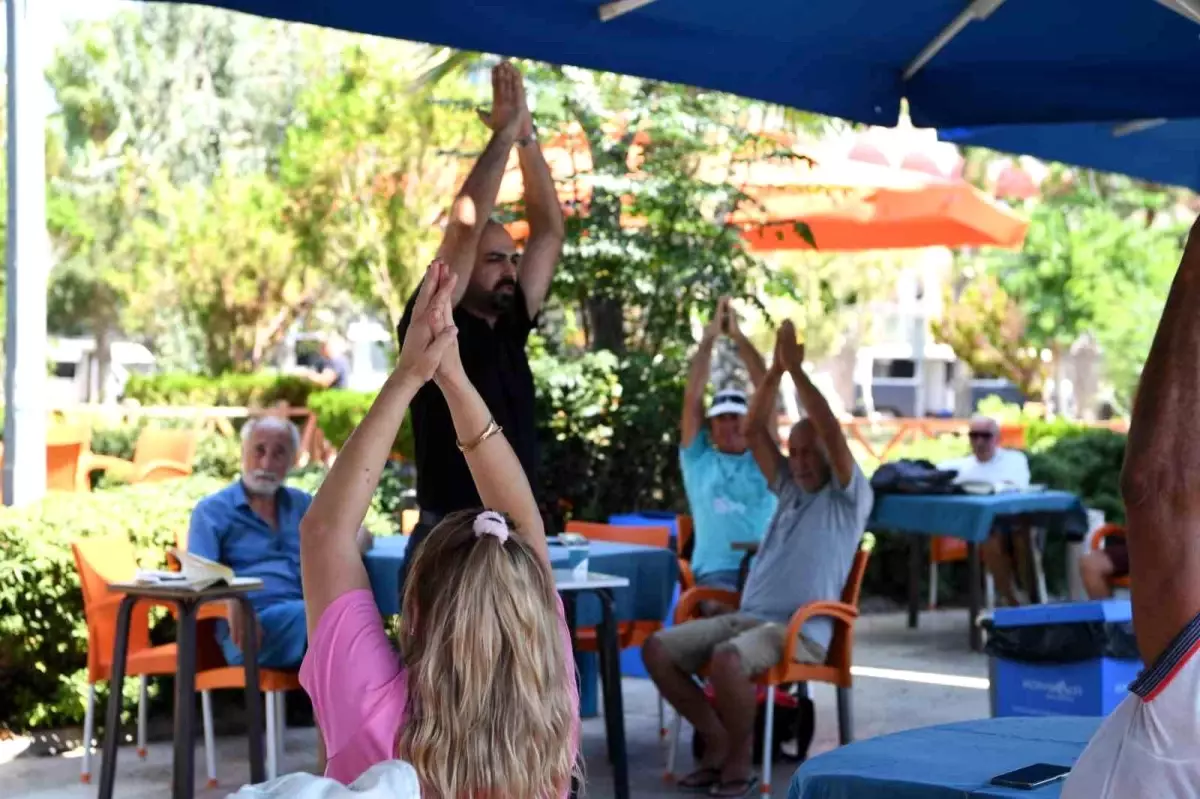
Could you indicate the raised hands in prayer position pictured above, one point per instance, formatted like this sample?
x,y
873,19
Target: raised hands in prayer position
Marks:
x,y
509,112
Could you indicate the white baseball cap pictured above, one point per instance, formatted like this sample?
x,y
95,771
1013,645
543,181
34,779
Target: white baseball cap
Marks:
x,y
729,401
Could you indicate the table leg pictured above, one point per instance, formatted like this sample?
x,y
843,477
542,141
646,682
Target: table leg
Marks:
x,y
974,588
916,548
112,718
183,771
613,704
254,706
568,601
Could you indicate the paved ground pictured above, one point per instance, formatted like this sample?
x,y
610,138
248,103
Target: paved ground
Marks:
x,y
904,679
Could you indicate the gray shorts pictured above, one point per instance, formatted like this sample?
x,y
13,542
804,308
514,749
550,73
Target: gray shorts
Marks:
x,y
692,644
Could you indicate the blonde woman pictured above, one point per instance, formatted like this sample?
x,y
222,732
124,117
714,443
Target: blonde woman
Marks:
x,y
482,702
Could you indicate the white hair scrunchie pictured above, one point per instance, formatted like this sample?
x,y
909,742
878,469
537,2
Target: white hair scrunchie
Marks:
x,y
489,522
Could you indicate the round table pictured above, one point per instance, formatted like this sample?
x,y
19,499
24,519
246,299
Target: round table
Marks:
x,y
951,761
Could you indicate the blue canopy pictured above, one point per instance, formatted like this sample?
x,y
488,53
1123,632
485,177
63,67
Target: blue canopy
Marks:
x,y
985,62
1157,150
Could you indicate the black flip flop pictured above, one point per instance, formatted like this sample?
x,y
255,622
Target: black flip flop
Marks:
x,y
701,780
722,789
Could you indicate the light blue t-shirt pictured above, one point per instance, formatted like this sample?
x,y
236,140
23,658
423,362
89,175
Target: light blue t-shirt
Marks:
x,y
730,502
806,555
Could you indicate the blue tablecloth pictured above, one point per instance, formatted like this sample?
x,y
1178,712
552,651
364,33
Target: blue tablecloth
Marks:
x,y
953,761
652,573
973,517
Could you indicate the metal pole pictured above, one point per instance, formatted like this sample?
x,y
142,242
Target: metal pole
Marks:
x,y
27,265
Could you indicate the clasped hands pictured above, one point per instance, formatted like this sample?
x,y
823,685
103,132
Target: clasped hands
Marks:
x,y
430,347
789,353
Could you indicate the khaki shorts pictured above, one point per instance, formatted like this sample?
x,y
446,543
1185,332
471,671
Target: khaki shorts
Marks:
x,y
760,644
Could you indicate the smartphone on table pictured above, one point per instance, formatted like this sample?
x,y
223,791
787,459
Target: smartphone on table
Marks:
x,y
1031,777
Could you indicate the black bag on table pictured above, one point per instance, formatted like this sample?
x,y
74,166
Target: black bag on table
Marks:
x,y
913,477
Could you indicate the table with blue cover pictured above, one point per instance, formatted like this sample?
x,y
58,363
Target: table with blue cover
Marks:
x,y
951,761
972,519
652,573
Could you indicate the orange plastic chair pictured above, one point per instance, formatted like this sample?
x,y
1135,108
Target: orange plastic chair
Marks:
x,y
160,454
214,674
99,562
68,458
835,670
1098,538
684,530
1012,436
947,549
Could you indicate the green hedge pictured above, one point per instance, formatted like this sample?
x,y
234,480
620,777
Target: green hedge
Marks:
x,y
339,411
231,390
43,637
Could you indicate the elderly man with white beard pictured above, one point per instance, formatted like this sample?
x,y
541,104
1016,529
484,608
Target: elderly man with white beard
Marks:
x,y
253,526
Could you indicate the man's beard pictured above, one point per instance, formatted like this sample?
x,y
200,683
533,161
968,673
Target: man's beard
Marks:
x,y
503,301
261,483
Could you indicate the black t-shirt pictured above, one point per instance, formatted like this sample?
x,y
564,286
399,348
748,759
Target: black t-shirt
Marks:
x,y
495,361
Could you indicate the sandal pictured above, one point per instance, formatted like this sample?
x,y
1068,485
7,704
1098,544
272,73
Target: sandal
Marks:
x,y
734,788
700,781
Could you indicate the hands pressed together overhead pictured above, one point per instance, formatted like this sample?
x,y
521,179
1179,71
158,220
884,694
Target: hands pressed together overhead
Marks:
x,y
430,347
789,353
510,111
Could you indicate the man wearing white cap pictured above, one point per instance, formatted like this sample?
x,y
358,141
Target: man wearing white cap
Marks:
x,y
729,497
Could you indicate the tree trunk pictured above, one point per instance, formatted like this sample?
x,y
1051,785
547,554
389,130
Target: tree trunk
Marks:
x,y
607,324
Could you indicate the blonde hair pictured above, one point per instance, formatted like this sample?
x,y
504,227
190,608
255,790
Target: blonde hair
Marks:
x,y
490,711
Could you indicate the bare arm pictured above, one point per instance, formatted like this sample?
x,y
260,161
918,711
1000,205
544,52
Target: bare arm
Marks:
x,y
750,356
822,417
473,205
498,475
546,228
759,424
1160,482
693,393
330,532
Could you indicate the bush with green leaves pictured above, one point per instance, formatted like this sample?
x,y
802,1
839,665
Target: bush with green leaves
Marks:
x,y
339,411
258,390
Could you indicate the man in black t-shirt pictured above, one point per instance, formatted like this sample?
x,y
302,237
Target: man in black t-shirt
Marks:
x,y
497,299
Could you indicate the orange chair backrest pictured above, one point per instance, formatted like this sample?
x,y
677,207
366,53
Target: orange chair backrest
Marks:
x,y
162,444
684,530
100,561
946,549
646,536
62,466
1106,531
842,645
1012,436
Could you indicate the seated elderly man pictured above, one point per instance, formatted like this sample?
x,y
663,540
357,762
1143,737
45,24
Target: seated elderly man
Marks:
x,y
824,502
727,493
991,463
253,526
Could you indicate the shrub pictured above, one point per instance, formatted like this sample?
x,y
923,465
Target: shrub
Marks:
x,y
339,411
43,637
232,390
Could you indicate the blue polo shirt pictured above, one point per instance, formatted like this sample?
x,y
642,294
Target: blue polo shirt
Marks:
x,y
730,502
225,529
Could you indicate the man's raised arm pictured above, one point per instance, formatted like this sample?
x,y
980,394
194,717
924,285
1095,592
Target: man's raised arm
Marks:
x,y
1160,482
473,205
698,373
822,417
546,226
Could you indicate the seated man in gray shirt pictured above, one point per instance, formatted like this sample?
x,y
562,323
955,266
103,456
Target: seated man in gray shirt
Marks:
x,y
824,502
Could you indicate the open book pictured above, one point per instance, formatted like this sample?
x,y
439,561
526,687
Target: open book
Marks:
x,y
984,487
197,573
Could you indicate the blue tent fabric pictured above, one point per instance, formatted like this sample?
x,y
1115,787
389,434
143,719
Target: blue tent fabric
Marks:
x,y
1164,153
1030,61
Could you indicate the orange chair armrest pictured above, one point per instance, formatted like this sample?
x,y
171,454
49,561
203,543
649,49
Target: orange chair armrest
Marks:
x,y
687,578
840,612
172,469
1105,532
688,607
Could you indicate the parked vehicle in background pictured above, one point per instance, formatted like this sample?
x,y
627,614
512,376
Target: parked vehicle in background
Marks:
x,y
74,369
370,352
895,383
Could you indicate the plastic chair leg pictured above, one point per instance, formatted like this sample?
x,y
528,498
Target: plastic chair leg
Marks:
x,y
768,741
673,747
845,710
933,585
280,724
989,588
89,730
210,745
272,747
143,713
662,719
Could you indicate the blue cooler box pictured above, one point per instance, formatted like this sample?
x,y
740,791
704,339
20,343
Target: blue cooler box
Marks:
x,y
1070,659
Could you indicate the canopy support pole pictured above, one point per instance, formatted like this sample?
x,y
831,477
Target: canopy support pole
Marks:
x,y
1136,126
26,264
977,11
610,11
1185,8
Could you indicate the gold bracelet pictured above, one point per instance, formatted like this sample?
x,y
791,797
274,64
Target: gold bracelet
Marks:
x,y
489,431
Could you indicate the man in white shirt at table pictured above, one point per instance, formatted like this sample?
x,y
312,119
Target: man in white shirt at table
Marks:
x,y
1147,747
1003,468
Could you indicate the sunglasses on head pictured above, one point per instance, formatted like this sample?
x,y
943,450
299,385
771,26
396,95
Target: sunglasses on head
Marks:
x,y
980,435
